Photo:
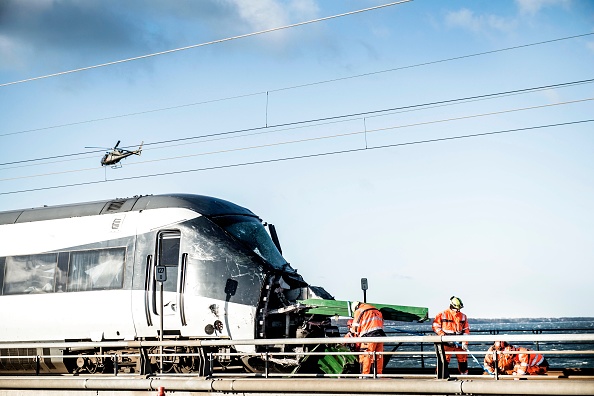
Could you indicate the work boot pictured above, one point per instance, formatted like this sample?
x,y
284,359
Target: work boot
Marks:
x,y
463,368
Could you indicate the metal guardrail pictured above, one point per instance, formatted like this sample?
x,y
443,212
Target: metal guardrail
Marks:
x,y
268,356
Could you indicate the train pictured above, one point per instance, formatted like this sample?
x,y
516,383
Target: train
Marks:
x,y
197,267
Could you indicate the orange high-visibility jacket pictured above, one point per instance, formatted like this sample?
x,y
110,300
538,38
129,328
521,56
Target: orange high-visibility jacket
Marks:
x,y
366,319
505,362
527,360
450,322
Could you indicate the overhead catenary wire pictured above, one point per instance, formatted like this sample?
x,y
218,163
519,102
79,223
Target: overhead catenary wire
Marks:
x,y
301,156
289,87
318,120
365,131
206,43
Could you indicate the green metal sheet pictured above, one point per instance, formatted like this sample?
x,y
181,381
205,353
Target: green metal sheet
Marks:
x,y
335,364
402,313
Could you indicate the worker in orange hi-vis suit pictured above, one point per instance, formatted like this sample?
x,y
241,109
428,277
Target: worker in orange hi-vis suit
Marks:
x,y
505,361
529,362
369,322
453,322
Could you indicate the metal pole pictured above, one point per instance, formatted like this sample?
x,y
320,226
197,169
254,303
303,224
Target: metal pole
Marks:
x,y
496,364
161,331
422,357
326,386
442,363
364,287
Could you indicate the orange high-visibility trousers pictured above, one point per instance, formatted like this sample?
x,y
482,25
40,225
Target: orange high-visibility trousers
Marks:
x,y
366,360
462,357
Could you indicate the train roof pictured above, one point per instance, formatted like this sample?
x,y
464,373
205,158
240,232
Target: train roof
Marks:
x,y
206,206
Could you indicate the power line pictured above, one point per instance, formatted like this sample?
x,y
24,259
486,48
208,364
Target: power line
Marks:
x,y
207,43
290,87
301,156
349,116
433,62
316,138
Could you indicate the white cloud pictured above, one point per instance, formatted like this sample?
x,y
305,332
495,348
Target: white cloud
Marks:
x,y
261,15
467,19
266,14
533,6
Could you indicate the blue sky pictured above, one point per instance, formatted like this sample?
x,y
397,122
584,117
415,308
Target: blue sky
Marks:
x,y
354,135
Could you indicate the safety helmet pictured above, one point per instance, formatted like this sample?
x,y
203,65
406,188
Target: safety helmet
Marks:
x,y
349,322
354,306
456,302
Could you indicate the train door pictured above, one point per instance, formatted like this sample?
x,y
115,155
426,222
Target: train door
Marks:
x,y
168,256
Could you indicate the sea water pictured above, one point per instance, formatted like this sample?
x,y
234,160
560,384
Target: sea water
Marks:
x,y
500,327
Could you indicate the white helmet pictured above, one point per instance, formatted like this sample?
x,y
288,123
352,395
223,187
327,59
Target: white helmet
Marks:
x,y
456,302
354,306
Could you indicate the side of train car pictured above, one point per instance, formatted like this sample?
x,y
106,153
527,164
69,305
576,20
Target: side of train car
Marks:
x,y
86,272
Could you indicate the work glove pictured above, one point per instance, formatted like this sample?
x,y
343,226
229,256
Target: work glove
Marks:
x,y
465,346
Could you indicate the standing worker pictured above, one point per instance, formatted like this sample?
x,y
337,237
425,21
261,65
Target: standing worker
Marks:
x,y
369,322
453,322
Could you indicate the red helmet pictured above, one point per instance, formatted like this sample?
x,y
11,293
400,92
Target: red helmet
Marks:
x,y
349,322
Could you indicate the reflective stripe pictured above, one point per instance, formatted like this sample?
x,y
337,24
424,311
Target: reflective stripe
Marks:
x,y
539,360
528,359
451,322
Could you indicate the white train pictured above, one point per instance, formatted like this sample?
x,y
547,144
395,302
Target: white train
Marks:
x,y
86,272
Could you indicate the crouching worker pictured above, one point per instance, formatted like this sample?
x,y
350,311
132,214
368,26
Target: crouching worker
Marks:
x,y
505,361
529,362
369,322
524,361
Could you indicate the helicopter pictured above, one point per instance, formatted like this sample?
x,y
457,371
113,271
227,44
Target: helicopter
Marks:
x,y
116,154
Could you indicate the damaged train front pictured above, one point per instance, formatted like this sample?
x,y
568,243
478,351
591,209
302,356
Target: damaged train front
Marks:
x,y
279,311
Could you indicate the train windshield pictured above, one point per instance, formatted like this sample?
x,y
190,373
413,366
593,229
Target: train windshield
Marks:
x,y
251,232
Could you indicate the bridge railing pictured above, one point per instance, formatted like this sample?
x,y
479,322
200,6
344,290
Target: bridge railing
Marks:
x,y
581,345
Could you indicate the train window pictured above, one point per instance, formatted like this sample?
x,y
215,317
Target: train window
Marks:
x,y
169,247
253,235
62,271
30,274
101,269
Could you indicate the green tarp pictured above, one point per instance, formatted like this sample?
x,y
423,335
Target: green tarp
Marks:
x,y
400,313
